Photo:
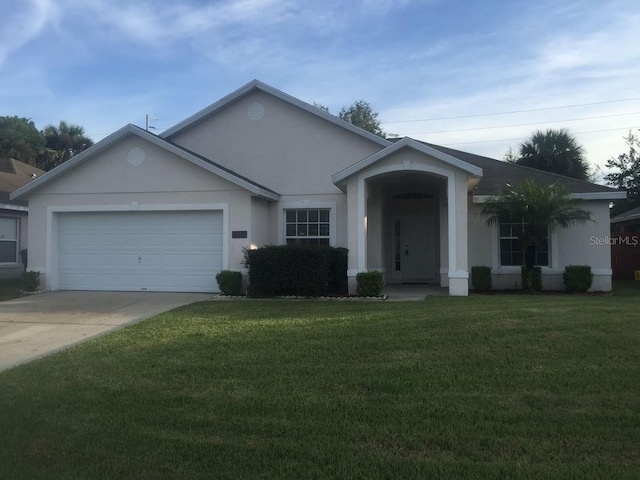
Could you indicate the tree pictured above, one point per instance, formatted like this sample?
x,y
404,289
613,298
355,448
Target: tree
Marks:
x,y
511,156
321,107
555,151
540,208
20,139
62,143
362,115
626,175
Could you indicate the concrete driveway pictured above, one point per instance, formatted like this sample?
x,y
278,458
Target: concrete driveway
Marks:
x,y
38,325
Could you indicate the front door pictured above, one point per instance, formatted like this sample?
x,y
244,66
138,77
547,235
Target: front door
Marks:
x,y
414,248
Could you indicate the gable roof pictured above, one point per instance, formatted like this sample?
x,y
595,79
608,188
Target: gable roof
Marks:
x,y
256,85
633,214
13,175
399,144
129,130
498,173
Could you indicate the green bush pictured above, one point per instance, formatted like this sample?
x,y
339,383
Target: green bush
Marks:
x,y
30,281
230,282
481,278
577,278
303,270
531,279
369,284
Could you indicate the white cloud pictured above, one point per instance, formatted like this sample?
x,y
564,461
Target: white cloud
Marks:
x,y
146,22
22,22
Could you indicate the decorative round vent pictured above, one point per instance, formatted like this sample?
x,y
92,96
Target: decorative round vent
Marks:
x,y
135,156
255,111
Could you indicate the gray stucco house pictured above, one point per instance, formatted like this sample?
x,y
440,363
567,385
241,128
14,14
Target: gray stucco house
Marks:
x,y
139,211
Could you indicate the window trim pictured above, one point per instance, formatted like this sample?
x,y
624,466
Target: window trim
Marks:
x,y
552,239
511,237
16,240
307,205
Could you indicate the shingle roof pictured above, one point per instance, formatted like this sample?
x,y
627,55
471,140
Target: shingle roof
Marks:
x,y
13,175
497,173
107,142
628,215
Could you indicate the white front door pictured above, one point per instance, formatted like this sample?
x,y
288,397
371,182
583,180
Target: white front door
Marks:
x,y
175,251
414,248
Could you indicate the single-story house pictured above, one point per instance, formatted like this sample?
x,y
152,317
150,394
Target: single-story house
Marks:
x,y
139,211
626,222
13,215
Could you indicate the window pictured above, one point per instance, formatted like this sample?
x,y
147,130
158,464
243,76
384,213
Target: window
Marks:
x,y
307,226
8,240
511,253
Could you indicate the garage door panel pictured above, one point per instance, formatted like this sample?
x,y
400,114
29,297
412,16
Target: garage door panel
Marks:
x,y
134,251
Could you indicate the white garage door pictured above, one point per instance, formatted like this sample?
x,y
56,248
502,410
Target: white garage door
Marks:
x,y
140,251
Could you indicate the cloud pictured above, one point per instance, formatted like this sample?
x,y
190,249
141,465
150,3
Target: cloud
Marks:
x,y
22,22
146,22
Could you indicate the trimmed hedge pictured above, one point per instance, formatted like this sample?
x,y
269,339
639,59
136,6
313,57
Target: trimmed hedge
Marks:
x,y
30,281
230,282
303,270
531,279
577,278
481,278
369,284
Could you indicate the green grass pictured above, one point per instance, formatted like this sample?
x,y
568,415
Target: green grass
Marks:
x,y
544,387
9,289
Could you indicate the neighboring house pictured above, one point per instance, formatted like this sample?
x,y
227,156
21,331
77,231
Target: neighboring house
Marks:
x,y
139,211
627,222
13,215
625,244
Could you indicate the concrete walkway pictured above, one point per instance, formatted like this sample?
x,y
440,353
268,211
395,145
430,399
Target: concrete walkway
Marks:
x,y
41,324
412,292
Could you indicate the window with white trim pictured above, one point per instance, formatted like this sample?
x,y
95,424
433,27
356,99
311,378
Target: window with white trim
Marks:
x,y
511,253
8,240
308,226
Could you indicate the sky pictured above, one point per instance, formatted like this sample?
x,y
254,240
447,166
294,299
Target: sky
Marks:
x,y
475,75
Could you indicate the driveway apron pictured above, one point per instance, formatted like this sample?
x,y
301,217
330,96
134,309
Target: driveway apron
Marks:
x,y
38,325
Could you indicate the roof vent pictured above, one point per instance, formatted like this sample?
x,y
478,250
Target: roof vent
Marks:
x,y
135,156
255,111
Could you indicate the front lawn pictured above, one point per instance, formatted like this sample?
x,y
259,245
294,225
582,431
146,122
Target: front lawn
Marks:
x,y
477,387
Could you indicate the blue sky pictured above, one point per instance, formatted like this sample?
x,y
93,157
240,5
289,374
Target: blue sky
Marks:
x,y
105,63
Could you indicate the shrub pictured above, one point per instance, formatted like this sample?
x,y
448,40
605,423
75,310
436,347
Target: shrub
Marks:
x,y
481,278
230,282
303,270
577,278
369,284
338,264
531,279
30,281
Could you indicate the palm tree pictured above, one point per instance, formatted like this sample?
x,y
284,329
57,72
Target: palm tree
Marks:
x,y
62,143
554,151
540,208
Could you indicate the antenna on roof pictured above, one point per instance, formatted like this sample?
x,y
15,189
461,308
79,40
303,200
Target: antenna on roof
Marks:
x,y
149,117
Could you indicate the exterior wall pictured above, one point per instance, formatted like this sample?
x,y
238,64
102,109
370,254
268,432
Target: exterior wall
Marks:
x,y
262,229
375,231
108,182
291,151
578,245
337,203
13,270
